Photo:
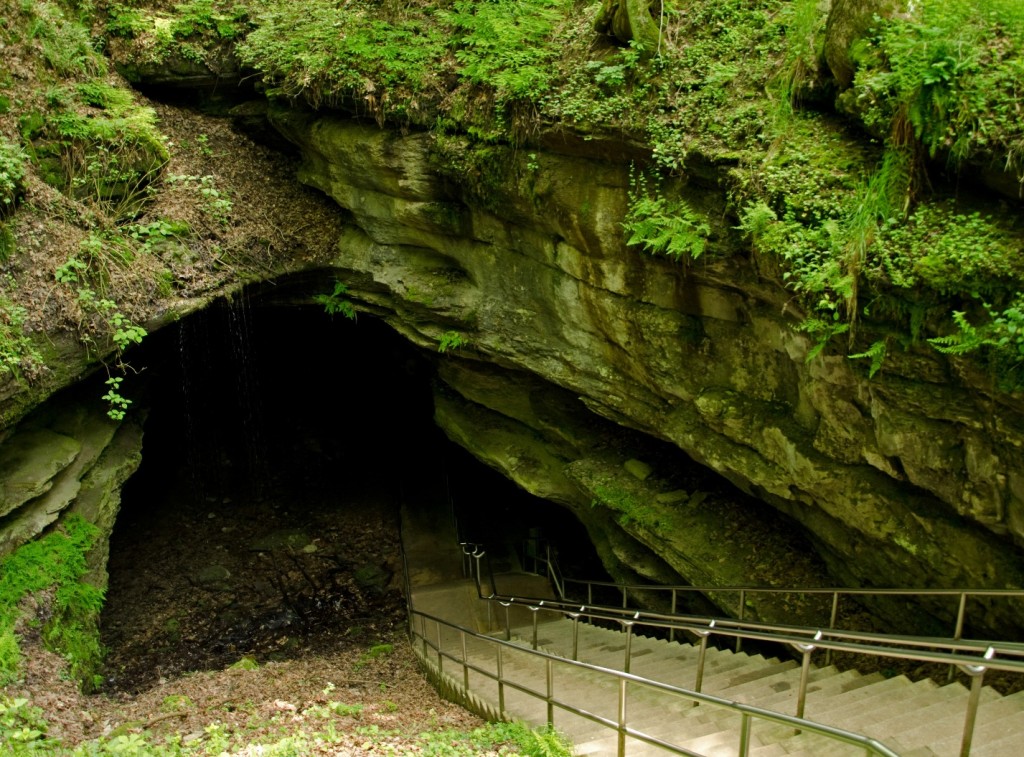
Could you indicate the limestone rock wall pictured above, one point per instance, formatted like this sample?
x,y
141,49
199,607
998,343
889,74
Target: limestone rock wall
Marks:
x,y
66,457
574,347
913,477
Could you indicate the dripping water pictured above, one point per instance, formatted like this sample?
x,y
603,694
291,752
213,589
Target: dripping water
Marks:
x,y
243,349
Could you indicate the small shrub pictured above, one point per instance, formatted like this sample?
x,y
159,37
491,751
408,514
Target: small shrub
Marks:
x,y
12,173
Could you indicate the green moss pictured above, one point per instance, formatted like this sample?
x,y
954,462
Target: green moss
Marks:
x,y
629,508
98,146
390,61
53,565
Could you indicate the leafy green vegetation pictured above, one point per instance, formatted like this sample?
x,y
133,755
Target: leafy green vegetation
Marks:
x,y
51,570
663,226
12,173
18,354
949,73
196,32
451,340
335,302
504,45
386,61
23,731
629,509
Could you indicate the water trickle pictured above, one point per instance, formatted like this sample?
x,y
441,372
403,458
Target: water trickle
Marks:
x,y
186,346
248,396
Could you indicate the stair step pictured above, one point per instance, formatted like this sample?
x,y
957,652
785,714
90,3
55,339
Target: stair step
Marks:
x,y
823,684
942,720
759,677
867,698
874,712
998,720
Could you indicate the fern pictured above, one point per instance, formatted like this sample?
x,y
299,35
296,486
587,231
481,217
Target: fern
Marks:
x,y
876,353
967,339
334,304
662,226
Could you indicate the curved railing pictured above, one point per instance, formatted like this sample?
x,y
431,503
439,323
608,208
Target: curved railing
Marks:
x,y
457,654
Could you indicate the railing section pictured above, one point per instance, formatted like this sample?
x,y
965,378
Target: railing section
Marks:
x,y
452,660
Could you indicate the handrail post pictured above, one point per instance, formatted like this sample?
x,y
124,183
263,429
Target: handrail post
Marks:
x,y
977,673
961,612
701,655
535,611
958,630
508,622
622,718
575,634
628,626
550,673
805,670
744,735
833,617
478,554
590,592
465,662
672,630
501,686
440,657
743,609
625,601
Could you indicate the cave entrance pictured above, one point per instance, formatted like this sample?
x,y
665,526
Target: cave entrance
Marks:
x,y
279,446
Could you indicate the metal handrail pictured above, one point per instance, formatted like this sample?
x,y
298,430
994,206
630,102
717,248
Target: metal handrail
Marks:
x,y
836,593
552,571
753,629
974,658
620,724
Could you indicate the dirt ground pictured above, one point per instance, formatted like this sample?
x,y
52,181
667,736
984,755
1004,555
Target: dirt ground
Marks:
x,y
308,599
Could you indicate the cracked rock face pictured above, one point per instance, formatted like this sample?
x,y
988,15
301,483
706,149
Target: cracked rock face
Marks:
x,y
915,477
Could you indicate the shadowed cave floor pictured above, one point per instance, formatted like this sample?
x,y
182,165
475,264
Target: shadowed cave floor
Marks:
x,y
199,582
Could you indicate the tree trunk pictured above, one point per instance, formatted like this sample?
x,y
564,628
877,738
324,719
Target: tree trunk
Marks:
x,y
630,20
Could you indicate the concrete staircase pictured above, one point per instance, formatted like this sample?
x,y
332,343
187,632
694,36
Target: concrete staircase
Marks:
x,y
914,719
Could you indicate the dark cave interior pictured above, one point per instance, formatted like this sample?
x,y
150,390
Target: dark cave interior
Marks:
x,y
279,446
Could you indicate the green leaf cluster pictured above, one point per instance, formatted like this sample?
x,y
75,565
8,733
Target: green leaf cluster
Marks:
x,y
663,226
12,174
335,302
18,354
384,63
505,44
950,71
96,144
